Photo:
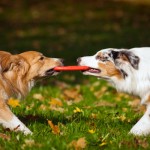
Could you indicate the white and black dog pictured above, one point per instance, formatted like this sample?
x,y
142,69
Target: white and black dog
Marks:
x,y
129,71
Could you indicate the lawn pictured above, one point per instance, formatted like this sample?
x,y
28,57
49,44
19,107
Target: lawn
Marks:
x,y
72,111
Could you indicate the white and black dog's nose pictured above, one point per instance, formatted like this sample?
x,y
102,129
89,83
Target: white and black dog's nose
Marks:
x,y
79,60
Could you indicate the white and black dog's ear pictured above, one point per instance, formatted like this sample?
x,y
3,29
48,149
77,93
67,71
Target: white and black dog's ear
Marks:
x,y
126,55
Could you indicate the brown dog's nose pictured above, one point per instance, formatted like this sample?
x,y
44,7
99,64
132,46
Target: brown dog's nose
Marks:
x,y
61,60
79,60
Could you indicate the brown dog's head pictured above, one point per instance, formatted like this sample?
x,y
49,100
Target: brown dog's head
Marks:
x,y
109,63
39,65
22,69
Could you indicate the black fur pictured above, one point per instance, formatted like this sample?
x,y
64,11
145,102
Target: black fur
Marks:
x,y
132,58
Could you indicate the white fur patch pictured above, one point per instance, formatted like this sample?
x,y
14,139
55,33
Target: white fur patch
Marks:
x,y
142,127
137,81
15,125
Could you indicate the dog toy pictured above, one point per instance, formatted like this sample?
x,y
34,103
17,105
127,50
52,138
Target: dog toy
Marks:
x,y
71,68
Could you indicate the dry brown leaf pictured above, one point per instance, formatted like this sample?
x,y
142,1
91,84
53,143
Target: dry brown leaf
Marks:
x,y
4,136
30,143
93,116
43,107
120,96
78,144
141,142
122,118
104,103
69,77
13,102
62,85
135,143
134,103
55,128
59,109
55,102
29,107
72,94
100,92
69,103
38,96
124,109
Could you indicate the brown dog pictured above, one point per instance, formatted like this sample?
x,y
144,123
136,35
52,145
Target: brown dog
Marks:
x,y
18,74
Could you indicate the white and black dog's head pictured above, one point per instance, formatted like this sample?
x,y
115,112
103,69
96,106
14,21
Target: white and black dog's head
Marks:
x,y
109,63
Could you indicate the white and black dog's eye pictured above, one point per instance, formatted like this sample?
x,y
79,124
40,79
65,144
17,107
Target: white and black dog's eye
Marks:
x,y
98,57
101,58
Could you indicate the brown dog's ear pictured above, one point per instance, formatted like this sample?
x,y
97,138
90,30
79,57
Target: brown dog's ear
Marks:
x,y
23,66
5,61
9,62
126,55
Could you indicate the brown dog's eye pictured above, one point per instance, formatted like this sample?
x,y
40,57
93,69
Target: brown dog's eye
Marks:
x,y
41,58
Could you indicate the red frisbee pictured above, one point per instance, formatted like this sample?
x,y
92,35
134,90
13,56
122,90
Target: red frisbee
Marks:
x,y
71,68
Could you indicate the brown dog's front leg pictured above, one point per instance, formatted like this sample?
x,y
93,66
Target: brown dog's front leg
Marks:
x,y
10,121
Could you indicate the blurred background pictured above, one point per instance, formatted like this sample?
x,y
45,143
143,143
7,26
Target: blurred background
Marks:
x,y
73,28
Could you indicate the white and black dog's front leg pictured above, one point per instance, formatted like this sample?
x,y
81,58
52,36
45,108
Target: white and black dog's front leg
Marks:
x,y
142,127
10,121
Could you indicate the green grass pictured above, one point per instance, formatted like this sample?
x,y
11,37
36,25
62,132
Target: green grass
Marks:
x,y
108,125
70,29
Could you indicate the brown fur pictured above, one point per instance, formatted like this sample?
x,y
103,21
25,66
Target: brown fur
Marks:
x,y
101,55
148,100
17,75
108,69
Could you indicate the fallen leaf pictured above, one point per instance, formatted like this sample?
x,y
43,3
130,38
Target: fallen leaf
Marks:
x,y
100,92
72,94
30,143
69,77
104,103
78,144
93,116
134,103
13,102
61,85
4,136
124,109
69,103
91,131
59,109
38,96
135,143
122,118
29,107
55,102
55,128
43,107
103,144
120,96
81,143
77,110
141,142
